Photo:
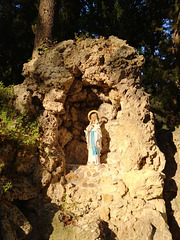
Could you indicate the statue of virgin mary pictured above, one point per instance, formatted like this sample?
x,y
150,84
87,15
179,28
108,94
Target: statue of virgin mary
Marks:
x,y
93,138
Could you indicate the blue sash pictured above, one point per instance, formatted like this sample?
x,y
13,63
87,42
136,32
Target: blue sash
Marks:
x,y
93,144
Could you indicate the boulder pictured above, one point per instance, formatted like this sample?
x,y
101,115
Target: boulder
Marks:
x,y
144,184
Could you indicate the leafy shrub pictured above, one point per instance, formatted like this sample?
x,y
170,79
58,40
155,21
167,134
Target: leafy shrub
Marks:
x,y
15,126
19,130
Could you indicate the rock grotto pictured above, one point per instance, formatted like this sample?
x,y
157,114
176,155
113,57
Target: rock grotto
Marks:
x,y
55,195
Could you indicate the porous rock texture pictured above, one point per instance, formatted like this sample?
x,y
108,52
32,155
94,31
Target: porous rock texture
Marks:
x,y
176,177
120,199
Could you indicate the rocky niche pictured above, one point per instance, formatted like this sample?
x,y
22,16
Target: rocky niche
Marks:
x,y
70,80
121,198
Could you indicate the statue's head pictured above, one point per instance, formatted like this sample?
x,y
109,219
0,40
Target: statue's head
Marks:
x,y
93,116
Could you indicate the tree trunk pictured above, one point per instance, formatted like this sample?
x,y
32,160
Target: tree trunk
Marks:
x,y
45,24
176,44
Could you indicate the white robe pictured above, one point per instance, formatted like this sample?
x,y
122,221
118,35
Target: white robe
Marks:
x,y
97,135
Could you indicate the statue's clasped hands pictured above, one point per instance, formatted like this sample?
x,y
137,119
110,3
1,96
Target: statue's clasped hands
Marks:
x,y
92,126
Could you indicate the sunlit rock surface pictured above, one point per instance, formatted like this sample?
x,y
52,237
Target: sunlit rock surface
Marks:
x,y
120,199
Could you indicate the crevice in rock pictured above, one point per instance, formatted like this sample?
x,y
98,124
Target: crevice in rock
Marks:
x,y
105,232
146,118
166,145
142,163
32,216
40,217
37,103
153,231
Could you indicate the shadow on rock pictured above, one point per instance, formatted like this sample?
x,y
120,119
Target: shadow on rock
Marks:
x,y
39,217
42,226
105,232
167,146
105,142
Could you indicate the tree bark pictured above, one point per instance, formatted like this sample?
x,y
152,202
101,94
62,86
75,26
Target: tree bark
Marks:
x,y
176,44
45,24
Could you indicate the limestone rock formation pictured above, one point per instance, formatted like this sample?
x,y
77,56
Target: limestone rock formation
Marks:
x,y
173,188
176,200
120,199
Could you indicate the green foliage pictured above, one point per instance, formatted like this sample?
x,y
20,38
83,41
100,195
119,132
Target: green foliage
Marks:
x,y
6,187
1,165
64,206
81,36
67,216
17,129
45,45
64,197
161,82
6,94
13,125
